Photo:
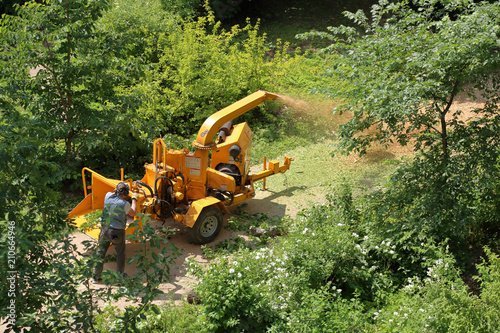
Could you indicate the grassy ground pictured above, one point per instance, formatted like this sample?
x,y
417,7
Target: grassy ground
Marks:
x,y
283,19
315,172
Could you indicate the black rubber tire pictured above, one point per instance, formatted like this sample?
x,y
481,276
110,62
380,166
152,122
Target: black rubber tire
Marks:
x,y
207,226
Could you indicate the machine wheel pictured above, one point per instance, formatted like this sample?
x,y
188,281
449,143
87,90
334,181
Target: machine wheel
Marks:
x,y
207,226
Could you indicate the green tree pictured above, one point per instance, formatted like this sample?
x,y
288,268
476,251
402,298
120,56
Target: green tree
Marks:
x,y
202,69
61,70
404,68
46,279
407,65
137,28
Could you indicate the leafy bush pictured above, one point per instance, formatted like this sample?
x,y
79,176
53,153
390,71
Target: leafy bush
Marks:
x,y
203,69
335,271
78,97
184,317
489,276
442,303
405,65
320,264
137,27
426,201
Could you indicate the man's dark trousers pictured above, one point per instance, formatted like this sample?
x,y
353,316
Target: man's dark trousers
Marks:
x,y
107,237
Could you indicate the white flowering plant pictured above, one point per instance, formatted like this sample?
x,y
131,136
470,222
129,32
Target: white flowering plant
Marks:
x,y
321,264
442,303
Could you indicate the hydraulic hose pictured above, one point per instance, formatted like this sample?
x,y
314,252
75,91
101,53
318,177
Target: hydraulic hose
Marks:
x,y
231,195
156,183
146,186
164,216
172,212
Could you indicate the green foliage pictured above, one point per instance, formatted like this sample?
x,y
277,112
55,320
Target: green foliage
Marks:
x,y
335,271
29,214
138,27
234,244
159,262
403,70
311,74
489,276
231,297
25,174
380,263
60,41
65,67
201,70
241,220
184,8
183,317
92,220
51,287
323,311
428,201
321,264
441,302
405,67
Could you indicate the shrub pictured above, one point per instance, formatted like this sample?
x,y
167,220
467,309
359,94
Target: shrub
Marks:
x,y
202,69
442,303
321,264
426,201
170,317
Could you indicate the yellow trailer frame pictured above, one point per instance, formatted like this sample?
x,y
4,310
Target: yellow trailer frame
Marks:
x,y
189,174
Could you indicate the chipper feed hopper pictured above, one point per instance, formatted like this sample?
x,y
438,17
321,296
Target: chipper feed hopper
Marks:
x,y
193,188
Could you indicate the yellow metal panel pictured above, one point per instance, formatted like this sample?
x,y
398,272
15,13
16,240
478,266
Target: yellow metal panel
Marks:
x,y
243,197
176,158
101,186
220,181
196,208
79,219
261,175
275,166
83,207
95,200
241,135
78,215
212,125
272,169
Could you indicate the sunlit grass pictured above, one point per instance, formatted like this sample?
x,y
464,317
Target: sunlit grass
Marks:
x,y
314,173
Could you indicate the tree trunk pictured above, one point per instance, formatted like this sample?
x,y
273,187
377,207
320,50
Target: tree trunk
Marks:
x,y
444,128
444,135
69,144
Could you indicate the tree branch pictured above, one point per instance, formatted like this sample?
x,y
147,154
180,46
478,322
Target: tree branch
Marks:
x,y
54,76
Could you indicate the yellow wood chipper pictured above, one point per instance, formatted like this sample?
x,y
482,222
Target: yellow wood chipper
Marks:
x,y
193,188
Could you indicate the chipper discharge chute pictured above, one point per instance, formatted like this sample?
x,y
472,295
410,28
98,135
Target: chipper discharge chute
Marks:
x,y
193,188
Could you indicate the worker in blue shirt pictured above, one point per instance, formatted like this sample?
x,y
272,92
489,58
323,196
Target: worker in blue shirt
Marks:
x,y
113,225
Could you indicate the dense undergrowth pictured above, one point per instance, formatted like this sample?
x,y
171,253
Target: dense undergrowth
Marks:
x,y
335,271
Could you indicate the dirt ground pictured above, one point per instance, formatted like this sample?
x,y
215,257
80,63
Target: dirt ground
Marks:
x,y
181,285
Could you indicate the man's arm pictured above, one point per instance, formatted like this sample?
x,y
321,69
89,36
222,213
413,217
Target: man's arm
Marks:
x,y
133,207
